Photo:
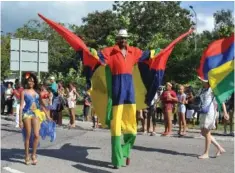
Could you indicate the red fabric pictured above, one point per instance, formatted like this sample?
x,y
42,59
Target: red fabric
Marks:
x,y
117,62
159,62
215,48
17,92
164,97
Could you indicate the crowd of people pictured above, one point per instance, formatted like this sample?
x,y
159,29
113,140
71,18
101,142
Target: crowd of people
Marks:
x,y
171,105
175,105
55,96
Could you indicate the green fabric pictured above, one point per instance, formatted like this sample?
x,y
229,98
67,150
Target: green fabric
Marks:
x,y
117,155
129,140
108,77
119,152
224,89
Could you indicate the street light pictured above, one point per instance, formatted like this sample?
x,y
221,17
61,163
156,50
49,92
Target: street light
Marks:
x,y
195,38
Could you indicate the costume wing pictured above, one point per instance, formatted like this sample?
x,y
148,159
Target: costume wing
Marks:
x,y
149,73
94,67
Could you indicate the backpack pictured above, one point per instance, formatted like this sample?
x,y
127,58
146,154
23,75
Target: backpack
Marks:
x,y
198,106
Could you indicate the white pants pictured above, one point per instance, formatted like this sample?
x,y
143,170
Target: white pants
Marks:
x,y
17,113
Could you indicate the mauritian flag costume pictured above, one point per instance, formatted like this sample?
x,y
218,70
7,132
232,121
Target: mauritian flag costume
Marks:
x,y
217,66
119,86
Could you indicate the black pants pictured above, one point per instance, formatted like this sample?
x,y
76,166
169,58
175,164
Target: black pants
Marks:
x,y
9,105
2,104
86,110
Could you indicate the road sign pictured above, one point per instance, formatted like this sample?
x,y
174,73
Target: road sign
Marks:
x,y
29,55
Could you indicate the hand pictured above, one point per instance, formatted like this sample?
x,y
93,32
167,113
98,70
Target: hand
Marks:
x,y
49,118
226,116
21,125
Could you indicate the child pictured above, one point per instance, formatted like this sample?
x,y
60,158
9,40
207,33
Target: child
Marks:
x,y
181,110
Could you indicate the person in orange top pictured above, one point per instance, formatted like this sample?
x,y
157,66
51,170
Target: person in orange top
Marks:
x,y
168,98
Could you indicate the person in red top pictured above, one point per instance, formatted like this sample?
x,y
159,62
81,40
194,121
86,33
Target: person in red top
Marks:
x,y
168,98
17,93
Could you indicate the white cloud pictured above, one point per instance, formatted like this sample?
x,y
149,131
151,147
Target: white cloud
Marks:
x,y
205,22
15,14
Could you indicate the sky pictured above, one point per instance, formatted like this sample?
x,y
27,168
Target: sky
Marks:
x,y
16,14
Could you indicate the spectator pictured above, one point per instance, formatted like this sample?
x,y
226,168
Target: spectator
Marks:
x,y
8,97
53,85
3,89
86,106
94,118
152,115
230,110
181,110
71,97
17,92
168,99
45,96
62,102
190,110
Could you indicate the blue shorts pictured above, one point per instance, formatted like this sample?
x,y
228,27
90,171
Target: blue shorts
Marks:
x,y
182,108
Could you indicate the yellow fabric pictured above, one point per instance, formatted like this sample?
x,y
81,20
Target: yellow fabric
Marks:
x,y
38,113
124,120
216,75
99,92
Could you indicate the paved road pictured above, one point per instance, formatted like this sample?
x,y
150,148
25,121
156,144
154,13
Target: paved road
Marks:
x,y
80,150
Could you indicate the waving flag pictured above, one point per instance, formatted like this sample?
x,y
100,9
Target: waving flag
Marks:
x,y
217,66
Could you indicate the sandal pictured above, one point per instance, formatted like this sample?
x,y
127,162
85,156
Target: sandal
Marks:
x,y
34,159
27,160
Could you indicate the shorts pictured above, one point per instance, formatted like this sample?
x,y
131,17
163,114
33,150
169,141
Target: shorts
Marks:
x,y
182,108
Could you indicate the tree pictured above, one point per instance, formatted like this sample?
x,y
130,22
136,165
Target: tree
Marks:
x,y
5,56
146,19
224,25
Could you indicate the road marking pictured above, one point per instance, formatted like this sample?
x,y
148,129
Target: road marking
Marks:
x,y
12,170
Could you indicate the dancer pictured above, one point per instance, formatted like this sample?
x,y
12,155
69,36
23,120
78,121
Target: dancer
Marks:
x,y
31,115
109,75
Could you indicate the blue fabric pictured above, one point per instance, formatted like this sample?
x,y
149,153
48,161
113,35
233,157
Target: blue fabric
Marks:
x,y
55,104
29,100
48,128
54,88
218,60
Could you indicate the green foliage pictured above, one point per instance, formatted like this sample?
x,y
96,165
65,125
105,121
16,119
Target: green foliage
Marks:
x,y
5,56
150,25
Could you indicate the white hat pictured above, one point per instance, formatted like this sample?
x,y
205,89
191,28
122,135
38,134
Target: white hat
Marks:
x,y
122,33
52,78
203,80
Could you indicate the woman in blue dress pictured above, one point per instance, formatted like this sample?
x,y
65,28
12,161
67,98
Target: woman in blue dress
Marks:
x,y
32,114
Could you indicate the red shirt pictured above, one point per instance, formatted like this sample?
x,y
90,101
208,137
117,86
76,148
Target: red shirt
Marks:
x,y
164,97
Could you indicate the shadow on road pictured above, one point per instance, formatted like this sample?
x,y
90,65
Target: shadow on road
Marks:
x,y
164,151
66,152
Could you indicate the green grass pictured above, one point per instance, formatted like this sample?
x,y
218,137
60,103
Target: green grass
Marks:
x,y
78,111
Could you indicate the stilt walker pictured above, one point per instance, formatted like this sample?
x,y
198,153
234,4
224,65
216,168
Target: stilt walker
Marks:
x,y
125,79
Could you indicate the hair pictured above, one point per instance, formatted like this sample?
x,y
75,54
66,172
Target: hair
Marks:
x,y
34,77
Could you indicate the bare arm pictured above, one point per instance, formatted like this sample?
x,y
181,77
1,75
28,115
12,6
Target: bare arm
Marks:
x,y
44,108
21,109
226,116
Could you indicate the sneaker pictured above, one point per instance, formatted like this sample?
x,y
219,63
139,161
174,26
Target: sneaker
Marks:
x,y
17,126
